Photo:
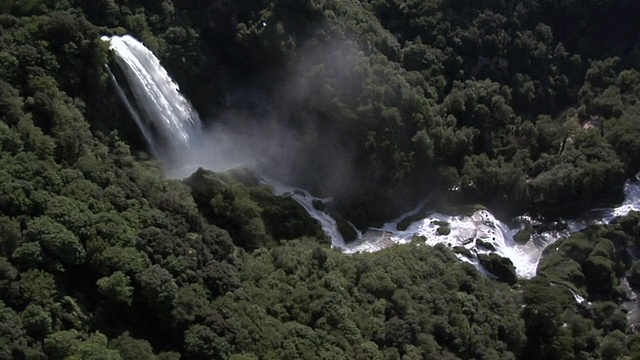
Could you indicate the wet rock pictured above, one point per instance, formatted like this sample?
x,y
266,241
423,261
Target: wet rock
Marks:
x,y
485,245
463,251
523,236
347,230
404,223
319,205
444,230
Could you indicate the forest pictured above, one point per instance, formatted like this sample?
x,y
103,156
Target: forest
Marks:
x,y
526,106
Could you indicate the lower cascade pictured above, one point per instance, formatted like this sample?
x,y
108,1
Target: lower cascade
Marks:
x,y
479,233
172,127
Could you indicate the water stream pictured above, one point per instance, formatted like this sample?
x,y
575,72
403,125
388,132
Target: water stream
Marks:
x,y
171,126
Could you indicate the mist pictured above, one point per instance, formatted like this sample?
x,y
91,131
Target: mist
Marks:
x,y
284,129
237,140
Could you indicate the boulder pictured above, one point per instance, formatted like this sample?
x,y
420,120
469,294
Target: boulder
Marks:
x,y
444,230
523,236
484,244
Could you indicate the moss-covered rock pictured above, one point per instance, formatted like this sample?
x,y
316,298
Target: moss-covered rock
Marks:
x,y
347,230
319,205
404,223
523,236
444,230
463,251
486,245
501,267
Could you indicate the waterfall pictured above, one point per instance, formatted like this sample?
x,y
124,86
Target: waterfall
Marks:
x,y
174,133
163,109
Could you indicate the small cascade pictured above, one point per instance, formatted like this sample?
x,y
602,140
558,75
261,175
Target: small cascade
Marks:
x,y
327,222
580,300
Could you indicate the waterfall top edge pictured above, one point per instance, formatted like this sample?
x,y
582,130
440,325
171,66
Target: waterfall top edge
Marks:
x,y
126,39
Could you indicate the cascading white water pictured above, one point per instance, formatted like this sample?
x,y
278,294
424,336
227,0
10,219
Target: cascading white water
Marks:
x,y
306,200
577,297
471,232
163,107
179,128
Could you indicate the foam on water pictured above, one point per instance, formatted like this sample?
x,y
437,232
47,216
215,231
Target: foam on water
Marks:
x,y
471,232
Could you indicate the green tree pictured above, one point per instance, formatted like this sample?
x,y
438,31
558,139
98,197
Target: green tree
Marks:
x,y
116,287
62,344
131,348
202,343
614,346
37,321
37,287
158,287
13,338
57,242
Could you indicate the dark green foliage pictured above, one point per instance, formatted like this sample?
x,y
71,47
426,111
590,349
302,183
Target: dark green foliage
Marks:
x,y
595,259
233,206
614,346
485,245
298,223
131,349
463,251
116,287
12,335
501,267
347,229
158,286
591,263
527,106
340,303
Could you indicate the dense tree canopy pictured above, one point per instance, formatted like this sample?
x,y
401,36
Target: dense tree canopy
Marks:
x,y
516,105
